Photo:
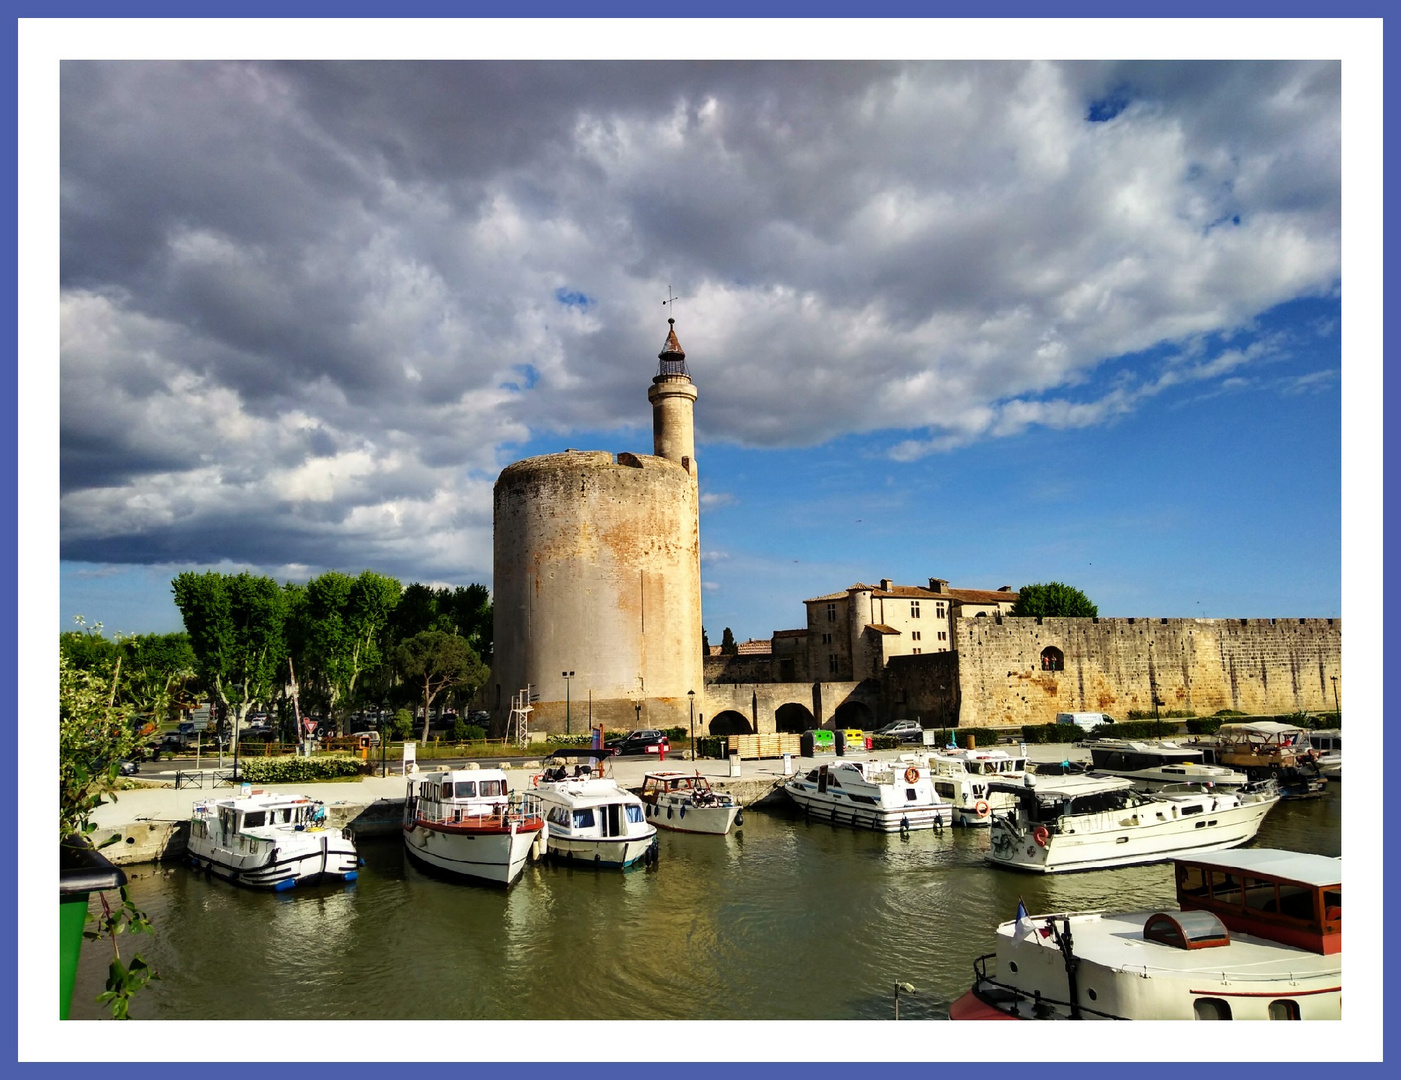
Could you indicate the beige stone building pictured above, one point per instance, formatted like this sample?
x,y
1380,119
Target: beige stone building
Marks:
x,y
597,575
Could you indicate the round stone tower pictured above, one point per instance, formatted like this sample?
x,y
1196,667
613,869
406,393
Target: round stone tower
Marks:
x,y
597,572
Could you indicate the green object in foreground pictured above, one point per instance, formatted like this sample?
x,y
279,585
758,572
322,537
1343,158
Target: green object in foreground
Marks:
x,y
72,915
81,872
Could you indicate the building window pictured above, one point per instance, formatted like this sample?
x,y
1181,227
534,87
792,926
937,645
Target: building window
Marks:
x,y
914,609
918,651
1052,659
914,635
832,664
939,610
831,612
943,635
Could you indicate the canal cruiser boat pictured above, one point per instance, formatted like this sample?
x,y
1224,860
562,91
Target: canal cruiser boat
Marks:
x,y
961,778
1090,822
1268,750
269,841
468,823
1256,935
685,803
1328,745
1158,765
886,796
592,820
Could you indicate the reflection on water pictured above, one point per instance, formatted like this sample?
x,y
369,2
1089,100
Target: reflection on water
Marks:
x,y
723,928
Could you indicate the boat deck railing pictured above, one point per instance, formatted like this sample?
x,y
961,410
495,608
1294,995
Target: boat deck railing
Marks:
x,y
518,808
1002,994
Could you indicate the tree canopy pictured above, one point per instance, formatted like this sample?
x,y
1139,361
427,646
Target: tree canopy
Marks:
x,y
728,646
437,661
1053,600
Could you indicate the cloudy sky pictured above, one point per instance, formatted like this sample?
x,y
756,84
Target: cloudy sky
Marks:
x,y
996,322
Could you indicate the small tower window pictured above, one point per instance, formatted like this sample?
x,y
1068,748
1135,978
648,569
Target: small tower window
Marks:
x,y
831,612
914,609
1052,659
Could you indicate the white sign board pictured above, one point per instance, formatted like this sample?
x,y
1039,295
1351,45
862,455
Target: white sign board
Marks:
x,y
410,764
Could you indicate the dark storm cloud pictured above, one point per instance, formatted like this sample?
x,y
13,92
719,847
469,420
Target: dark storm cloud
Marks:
x,y
335,294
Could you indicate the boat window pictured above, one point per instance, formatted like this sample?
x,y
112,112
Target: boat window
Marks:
x,y
1211,1009
634,814
559,815
493,787
813,776
1225,888
466,789
583,819
253,819
1333,905
1188,810
944,789
1260,895
1284,1009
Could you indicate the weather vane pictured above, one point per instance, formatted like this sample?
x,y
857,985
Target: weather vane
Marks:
x,y
670,299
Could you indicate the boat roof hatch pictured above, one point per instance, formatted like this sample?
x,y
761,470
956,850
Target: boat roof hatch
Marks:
x,y
1186,930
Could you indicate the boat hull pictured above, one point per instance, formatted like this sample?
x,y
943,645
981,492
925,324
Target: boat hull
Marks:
x,y
913,817
1146,842
603,853
680,815
495,856
300,859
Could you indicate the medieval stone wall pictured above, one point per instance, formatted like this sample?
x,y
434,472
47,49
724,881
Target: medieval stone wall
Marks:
x,y
1257,666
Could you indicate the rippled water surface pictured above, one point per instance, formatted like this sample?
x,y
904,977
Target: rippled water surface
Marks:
x,y
722,928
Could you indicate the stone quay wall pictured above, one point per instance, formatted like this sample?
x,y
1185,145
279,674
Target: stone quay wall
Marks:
x,y
1257,666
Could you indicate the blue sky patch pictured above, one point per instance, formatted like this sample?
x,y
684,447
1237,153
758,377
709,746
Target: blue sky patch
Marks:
x,y
572,299
1109,106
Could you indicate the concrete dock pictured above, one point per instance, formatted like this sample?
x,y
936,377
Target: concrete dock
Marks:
x,y
151,821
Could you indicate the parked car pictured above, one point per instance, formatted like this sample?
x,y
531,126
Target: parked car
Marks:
x,y
129,768
647,741
907,731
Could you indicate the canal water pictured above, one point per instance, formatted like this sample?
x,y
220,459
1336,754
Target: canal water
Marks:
x,y
784,919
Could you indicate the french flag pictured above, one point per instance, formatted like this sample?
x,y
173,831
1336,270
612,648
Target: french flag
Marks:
x,y
1023,920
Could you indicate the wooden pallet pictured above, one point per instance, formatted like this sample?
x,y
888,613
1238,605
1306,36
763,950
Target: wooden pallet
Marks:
x,y
763,746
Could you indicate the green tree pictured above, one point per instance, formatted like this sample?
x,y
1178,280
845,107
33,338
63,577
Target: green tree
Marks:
x,y
727,644
705,643
236,628
341,626
158,676
437,661
1053,600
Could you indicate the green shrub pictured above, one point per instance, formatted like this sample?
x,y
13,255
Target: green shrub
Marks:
x,y
884,742
1169,714
1203,725
1134,729
291,770
710,746
1228,712
1040,734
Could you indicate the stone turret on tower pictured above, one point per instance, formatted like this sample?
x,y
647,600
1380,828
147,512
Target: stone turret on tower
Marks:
x,y
673,398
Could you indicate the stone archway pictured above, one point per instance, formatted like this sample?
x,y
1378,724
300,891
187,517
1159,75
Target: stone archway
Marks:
x,y
854,714
793,717
730,722
1052,659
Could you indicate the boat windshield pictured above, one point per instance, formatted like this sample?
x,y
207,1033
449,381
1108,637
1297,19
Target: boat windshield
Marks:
x,y
634,814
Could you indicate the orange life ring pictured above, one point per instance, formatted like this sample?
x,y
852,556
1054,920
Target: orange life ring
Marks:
x,y
911,775
982,807
1040,835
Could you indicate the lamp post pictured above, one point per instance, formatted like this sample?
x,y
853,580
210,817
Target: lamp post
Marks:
x,y
566,676
899,987
1336,707
691,697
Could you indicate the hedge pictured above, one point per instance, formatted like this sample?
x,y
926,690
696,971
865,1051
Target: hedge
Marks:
x,y
1135,729
1051,733
289,770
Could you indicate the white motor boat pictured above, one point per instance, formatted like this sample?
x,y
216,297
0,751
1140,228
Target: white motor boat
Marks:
x,y
1088,822
1256,935
685,803
592,820
961,778
886,796
269,841
1267,750
1328,744
467,823
1156,765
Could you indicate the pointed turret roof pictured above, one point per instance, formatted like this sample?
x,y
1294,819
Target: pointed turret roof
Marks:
x,y
672,349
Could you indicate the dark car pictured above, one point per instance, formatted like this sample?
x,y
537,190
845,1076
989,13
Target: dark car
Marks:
x,y
648,741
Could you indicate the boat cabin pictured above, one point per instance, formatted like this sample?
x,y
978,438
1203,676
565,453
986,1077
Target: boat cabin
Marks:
x,y
1135,756
1292,898
654,784
1044,803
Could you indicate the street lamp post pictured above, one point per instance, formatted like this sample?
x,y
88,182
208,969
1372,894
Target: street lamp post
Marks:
x,y
1336,707
566,676
691,697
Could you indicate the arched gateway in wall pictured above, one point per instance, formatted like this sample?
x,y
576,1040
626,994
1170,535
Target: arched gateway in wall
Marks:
x,y
794,718
730,722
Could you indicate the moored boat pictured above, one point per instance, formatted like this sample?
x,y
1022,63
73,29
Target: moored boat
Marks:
x,y
685,803
592,820
1155,765
1256,935
1089,822
267,840
885,796
468,823
1327,743
962,778
1267,750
